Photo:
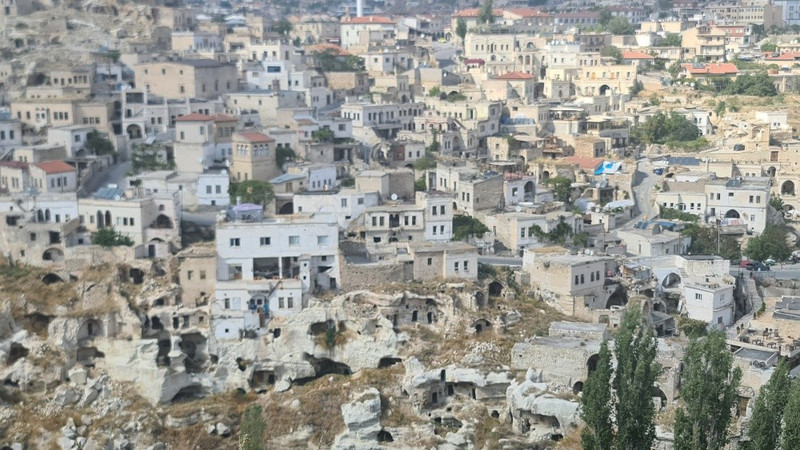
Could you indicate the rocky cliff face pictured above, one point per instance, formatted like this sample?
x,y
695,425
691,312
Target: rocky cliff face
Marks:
x,y
106,358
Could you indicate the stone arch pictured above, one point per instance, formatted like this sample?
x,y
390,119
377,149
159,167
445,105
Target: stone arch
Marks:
x,y
163,222
577,387
287,208
134,131
604,88
91,328
545,176
480,300
495,289
53,254
659,307
39,215
591,363
51,278
771,171
658,393
529,191
47,215
107,219
732,214
672,279
100,219
787,188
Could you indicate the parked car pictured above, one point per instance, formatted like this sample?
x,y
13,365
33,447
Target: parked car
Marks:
x,y
738,148
757,266
659,171
744,263
769,262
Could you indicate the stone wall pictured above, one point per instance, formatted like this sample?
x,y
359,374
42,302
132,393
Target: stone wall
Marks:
x,y
365,276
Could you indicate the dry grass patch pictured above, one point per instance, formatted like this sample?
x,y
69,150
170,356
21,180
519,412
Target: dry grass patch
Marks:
x,y
320,408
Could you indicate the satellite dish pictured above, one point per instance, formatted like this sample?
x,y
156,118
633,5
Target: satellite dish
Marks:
x,y
117,197
394,197
518,208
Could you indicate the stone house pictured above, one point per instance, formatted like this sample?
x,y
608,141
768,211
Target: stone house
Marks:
x,y
190,78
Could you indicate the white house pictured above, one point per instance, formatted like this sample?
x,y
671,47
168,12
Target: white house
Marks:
x,y
710,300
212,188
344,204
270,266
10,135
53,176
72,137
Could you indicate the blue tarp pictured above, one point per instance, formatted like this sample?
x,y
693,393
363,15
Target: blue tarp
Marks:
x,y
608,167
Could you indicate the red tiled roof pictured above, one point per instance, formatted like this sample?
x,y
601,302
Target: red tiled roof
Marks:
x,y
368,19
474,61
52,167
788,56
515,76
339,51
636,55
475,12
585,163
14,164
527,12
255,136
711,69
194,118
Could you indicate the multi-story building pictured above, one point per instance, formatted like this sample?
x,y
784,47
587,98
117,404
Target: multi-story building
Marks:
x,y
474,191
203,141
153,220
753,12
190,78
253,157
362,31
10,135
375,121
270,266
53,176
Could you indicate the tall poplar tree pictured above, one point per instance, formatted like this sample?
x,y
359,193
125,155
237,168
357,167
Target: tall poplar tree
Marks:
x,y
596,404
790,439
708,389
765,424
635,347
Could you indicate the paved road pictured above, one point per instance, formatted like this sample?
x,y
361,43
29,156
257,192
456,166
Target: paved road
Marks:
x,y
500,261
780,272
115,174
643,182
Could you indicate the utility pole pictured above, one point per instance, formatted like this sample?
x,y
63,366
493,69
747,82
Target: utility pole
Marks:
x,y
718,229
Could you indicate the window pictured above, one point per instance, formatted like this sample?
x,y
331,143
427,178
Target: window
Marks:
x,y
265,240
235,242
434,210
344,203
290,302
189,274
202,274
33,237
294,240
466,266
322,240
582,279
456,265
374,221
430,261
361,202
698,296
441,210
413,220
576,279
281,303
208,189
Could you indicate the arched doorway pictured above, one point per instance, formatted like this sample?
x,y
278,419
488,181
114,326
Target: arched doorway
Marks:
x,y
53,254
771,171
495,289
545,176
100,219
163,222
51,278
90,329
732,214
134,131
577,387
529,191
671,280
287,208
787,188
604,89
108,219
591,363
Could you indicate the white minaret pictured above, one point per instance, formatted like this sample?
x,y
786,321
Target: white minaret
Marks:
x,y
359,8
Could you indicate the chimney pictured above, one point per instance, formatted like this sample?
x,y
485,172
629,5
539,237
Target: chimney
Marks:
x,y
359,8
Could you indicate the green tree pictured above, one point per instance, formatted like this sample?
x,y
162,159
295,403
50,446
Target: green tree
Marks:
x,y
461,28
435,91
704,242
620,26
596,404
634,380
109,237
708,388
283,27
466,226
486,14
771,243
283,154
323,135
790,439
671,40
765,423
605,17
98,144
665,128
561,187
671,213
253,428
776,203
612,52
420,185
768,47
252,191
758,84
426,162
